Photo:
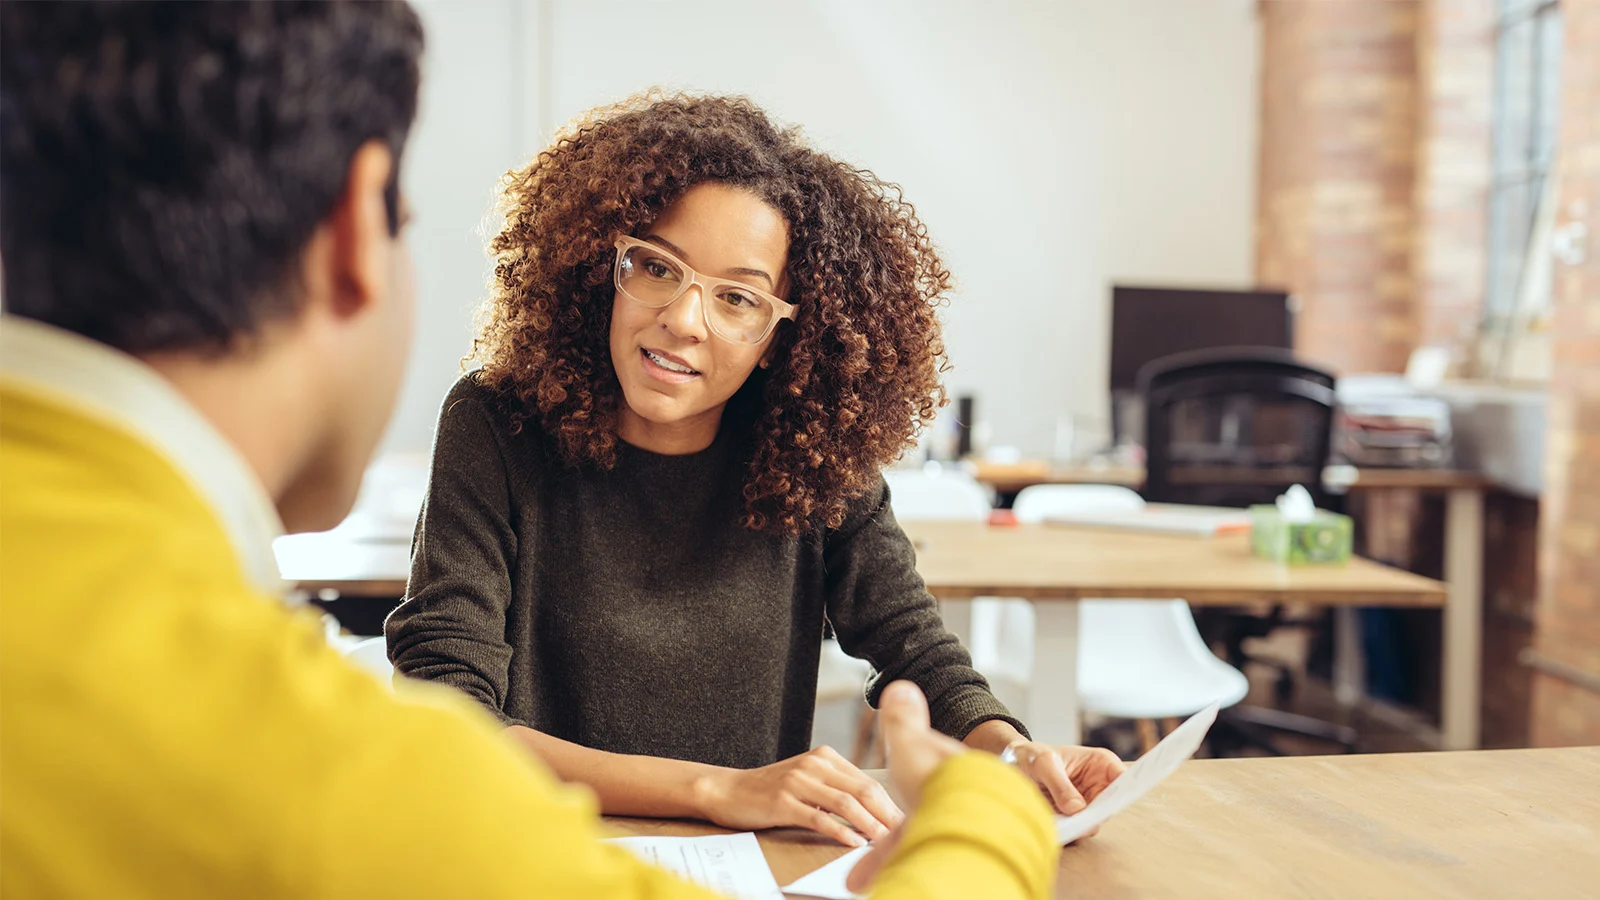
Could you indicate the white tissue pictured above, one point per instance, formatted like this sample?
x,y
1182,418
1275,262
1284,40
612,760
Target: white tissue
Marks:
x,y
1296,506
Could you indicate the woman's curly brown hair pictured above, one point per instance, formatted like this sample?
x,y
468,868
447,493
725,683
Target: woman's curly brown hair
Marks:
x,y
852,379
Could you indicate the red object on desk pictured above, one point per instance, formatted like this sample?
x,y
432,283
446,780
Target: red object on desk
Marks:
x,y
1002,517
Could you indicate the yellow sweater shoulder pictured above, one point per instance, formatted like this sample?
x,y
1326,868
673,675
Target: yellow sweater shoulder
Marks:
x,y
170,732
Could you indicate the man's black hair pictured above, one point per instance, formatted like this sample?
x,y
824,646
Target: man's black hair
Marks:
x,y
163,164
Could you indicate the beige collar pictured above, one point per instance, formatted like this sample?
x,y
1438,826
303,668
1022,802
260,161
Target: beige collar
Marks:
x,y
116,388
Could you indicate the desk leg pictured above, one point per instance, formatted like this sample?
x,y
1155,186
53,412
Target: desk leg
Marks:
x,y
1349,657
1463,618
1053,696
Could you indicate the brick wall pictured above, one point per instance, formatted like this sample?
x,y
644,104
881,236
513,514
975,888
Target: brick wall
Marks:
x,y
1337,165
1567,630
1374,174
1455,79
1376,143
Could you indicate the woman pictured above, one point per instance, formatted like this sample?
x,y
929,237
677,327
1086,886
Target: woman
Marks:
x,y
703,343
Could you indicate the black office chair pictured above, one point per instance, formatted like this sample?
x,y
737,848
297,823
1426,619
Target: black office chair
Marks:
x,y
1235,427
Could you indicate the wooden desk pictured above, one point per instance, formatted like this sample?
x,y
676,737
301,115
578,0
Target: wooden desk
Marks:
x,y
367,567
1013,477
1463,570
962,560
1508,823
1053,567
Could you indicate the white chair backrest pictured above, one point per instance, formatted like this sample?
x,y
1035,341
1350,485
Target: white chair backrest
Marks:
x,y
1037,503
372,654
1159,628
916,495
1146,659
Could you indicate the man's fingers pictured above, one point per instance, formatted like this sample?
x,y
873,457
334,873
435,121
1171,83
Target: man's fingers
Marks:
x,y
867,868
902,709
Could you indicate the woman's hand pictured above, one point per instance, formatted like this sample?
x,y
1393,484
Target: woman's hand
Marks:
x,y
801,791
1071,776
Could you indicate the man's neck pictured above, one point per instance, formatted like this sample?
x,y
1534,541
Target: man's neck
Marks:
x,y
256,402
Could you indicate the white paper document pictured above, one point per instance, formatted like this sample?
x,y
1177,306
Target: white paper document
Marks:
x,y
828,881
731,864
1148,771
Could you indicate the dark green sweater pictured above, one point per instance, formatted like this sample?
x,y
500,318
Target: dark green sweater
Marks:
x,y
629,611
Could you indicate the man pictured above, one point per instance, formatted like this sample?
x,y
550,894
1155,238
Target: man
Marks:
x,y
208,305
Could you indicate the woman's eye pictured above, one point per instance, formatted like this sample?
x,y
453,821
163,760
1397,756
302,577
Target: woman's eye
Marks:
x,y
738,300
655,268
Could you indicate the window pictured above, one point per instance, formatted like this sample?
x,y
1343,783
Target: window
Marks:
x,y
1526,113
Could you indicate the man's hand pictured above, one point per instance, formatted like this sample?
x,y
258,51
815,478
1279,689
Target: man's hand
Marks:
x,y
915,751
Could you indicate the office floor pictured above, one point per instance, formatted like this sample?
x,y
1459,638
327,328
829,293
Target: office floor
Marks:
x,y
1314,697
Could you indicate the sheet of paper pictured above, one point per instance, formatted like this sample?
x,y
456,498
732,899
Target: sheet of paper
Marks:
x,y
731,864
1148,771
828,881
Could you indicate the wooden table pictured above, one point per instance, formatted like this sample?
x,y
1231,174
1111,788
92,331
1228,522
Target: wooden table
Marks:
x,y
1463,569
1010,478
1507,823
1053,567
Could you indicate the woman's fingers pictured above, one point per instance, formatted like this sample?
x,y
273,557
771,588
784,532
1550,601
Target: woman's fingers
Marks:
x,y
1093,769
1046,768
844,776
876,799
805,816
845,805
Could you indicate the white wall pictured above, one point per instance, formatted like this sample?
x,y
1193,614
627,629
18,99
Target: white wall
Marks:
x,y
477,120
1051,148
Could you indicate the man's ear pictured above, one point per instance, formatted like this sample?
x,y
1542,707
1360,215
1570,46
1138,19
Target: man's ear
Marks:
x,y
361,239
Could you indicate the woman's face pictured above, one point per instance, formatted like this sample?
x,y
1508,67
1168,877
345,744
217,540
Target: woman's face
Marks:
x,y
676,374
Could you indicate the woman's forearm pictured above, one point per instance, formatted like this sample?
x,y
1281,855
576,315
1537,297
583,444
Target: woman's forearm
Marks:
x,y
992,736
626,785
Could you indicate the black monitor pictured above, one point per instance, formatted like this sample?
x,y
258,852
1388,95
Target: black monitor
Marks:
x,y
1148,323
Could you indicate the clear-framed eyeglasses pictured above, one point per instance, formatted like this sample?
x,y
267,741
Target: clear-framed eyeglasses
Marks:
x,y
649,275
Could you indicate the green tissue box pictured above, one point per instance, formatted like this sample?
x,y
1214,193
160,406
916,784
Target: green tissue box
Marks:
x,y
1327,538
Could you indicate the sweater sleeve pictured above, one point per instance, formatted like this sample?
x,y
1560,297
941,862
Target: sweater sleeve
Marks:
x,y
451,626
882,612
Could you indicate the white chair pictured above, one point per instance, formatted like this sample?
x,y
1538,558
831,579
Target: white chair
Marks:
x,y
1144,659
372,655
1137,659
932,493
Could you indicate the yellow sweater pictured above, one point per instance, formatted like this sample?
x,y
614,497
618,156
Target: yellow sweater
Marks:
x,y
168,730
